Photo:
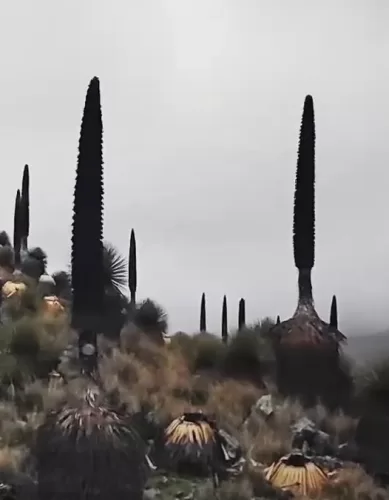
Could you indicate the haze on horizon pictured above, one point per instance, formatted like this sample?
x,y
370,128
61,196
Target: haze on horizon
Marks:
x,y
202,102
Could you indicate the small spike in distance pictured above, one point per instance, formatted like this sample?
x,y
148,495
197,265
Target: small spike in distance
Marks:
x,y
334,313
242,314
224,321
203,315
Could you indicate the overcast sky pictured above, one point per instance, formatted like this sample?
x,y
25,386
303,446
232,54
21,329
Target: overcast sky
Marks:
x,y
202,101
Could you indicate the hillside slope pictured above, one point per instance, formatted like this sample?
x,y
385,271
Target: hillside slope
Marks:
x,y
365,348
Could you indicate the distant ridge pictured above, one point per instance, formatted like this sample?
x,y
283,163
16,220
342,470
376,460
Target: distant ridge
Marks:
x,y
366,348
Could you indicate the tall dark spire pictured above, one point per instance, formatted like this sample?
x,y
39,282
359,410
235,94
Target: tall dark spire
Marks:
x,y
87,237
203,315
17,229
224,321
304,203
25,208
132,270
334,313
242,314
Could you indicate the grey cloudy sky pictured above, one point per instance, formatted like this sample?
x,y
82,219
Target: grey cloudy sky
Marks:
x,y
202,101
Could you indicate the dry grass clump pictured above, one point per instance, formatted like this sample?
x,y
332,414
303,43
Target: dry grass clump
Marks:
x,y
41,396
12,458
352,483
231,401
148,375
143,375
159,377
267,439
17,430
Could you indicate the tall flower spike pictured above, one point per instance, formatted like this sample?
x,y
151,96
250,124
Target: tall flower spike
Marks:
x,y
17,229
242,314
203,315
25,208
304,204
334,313
304,201
132,270
224,321
87,238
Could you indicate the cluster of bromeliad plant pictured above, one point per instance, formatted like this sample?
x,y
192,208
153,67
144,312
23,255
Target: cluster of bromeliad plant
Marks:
x,y
89,448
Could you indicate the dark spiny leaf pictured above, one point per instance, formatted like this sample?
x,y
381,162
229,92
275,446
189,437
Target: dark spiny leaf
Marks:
x,y
304,201
115,269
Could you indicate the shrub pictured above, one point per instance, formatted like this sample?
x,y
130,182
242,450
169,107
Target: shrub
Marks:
x,y
30,348
372,386
202,352
243,357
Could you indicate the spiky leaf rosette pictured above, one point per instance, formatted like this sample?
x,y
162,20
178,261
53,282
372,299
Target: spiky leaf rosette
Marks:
x,y
115,269
242,314
17,229
87,450
224,320
192,444
304,200
151,319
203,315
34,263
25,208
63,285
87,237
334,313
4,239
132,270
